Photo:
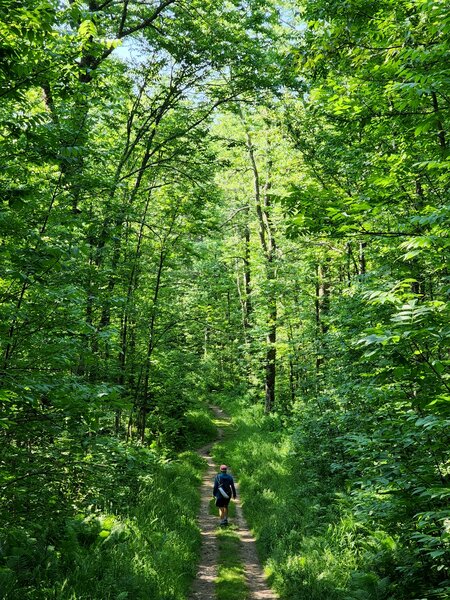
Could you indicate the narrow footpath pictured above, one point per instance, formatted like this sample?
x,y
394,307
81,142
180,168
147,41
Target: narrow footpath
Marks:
x,y
203,587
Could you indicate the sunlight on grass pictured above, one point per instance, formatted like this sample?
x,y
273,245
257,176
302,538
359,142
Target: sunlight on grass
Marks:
x,y
148,550
295,532
222,423
230,582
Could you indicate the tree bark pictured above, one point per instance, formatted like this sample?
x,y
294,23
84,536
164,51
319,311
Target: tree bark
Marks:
x,y
362,258
322,306
269,247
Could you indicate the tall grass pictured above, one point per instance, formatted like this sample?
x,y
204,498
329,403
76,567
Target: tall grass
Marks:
x,y
137,539
310,543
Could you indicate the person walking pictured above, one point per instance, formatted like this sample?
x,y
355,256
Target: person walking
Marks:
x,y
223,490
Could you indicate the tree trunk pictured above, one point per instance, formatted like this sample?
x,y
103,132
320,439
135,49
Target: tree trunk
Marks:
x,y
269,247
247,281
362,258
439,124
271,356
322,306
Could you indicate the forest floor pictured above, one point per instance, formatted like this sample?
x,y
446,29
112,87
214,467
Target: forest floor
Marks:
x,y
204,584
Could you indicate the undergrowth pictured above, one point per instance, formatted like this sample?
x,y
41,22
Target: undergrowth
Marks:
x,y
132,535
310,541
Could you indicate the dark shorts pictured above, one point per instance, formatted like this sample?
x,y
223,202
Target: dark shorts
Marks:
x,y
221,502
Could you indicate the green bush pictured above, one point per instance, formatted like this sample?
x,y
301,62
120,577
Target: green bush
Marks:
x,y
313,543
199,427
147,549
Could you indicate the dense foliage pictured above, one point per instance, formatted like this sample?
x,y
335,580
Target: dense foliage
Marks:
x,y
107,194
224,195
358,504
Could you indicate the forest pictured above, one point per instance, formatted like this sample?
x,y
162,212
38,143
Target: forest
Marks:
x,y
234,203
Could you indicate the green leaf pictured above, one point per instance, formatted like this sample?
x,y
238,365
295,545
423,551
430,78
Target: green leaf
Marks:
x,y
87,29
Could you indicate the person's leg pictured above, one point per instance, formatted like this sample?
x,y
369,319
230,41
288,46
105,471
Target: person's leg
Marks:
x,y
225,513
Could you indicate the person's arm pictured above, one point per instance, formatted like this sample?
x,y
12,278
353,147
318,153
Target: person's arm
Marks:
x,y
216,485
233,488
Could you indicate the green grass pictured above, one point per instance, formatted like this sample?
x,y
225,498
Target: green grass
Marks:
x,y
316,533
200,427
230,582
131,534
148,549
310,544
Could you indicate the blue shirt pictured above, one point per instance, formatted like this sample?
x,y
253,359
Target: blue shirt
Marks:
x,y
224,480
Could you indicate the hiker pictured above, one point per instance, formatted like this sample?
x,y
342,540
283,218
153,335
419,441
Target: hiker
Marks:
x,y
222,492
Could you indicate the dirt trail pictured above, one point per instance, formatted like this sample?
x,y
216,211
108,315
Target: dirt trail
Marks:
x,y
203,588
